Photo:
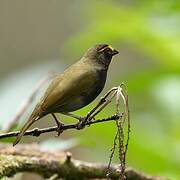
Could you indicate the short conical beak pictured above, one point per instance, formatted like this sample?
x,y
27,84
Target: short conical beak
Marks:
x,y
114,52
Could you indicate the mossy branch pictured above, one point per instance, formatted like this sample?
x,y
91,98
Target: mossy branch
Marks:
x,y
30,158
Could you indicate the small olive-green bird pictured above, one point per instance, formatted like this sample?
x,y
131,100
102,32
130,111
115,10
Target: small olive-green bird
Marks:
x,y
79,85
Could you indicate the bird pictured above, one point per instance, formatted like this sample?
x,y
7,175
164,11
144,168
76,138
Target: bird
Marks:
x,y
75,88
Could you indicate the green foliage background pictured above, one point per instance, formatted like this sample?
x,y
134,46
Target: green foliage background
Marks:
x,y
147,34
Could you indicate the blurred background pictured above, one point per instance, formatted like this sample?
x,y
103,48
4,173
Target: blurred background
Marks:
x,y
37,37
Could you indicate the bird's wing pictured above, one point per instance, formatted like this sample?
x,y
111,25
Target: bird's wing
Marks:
x,y
75,81
51,87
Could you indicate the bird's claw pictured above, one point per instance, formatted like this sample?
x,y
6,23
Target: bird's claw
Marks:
x,y
59,129
89,121
84,121
80,125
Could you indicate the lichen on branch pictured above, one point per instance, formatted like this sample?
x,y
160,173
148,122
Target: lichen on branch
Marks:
x,y
30,158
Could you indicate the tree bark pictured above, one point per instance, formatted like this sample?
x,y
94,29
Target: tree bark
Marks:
x,y
30,158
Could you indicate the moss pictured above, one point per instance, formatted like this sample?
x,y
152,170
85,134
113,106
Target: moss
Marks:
x,y
70,170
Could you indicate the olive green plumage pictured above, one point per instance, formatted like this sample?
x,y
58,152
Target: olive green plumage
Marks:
x,y
76,87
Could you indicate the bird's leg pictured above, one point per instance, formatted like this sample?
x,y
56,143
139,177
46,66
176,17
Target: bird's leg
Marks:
x,y
59,124
74,116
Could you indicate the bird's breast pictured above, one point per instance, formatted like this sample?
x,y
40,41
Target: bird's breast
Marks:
x,y
98,86
88,95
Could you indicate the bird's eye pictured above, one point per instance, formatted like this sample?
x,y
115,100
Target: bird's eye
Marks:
x,y
108,49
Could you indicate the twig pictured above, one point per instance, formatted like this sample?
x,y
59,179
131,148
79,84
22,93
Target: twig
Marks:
x,y
119,93
31,158
111,156
24,106
107,101
37,132
99,107
121,133
128,121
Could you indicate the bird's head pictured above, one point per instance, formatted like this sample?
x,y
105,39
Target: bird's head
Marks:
x,y
101,54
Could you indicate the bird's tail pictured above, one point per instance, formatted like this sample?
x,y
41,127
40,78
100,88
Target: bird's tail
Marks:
x,y
34,117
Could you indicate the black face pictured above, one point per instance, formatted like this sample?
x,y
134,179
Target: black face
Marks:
x,y
108,51
105,53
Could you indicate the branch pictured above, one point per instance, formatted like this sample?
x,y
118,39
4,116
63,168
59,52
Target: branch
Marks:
x,y
38,132
31,158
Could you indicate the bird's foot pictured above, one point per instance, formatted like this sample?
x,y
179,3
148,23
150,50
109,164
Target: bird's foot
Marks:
x,y
82,119
59,125
59,129
80,125
86,119
83,122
